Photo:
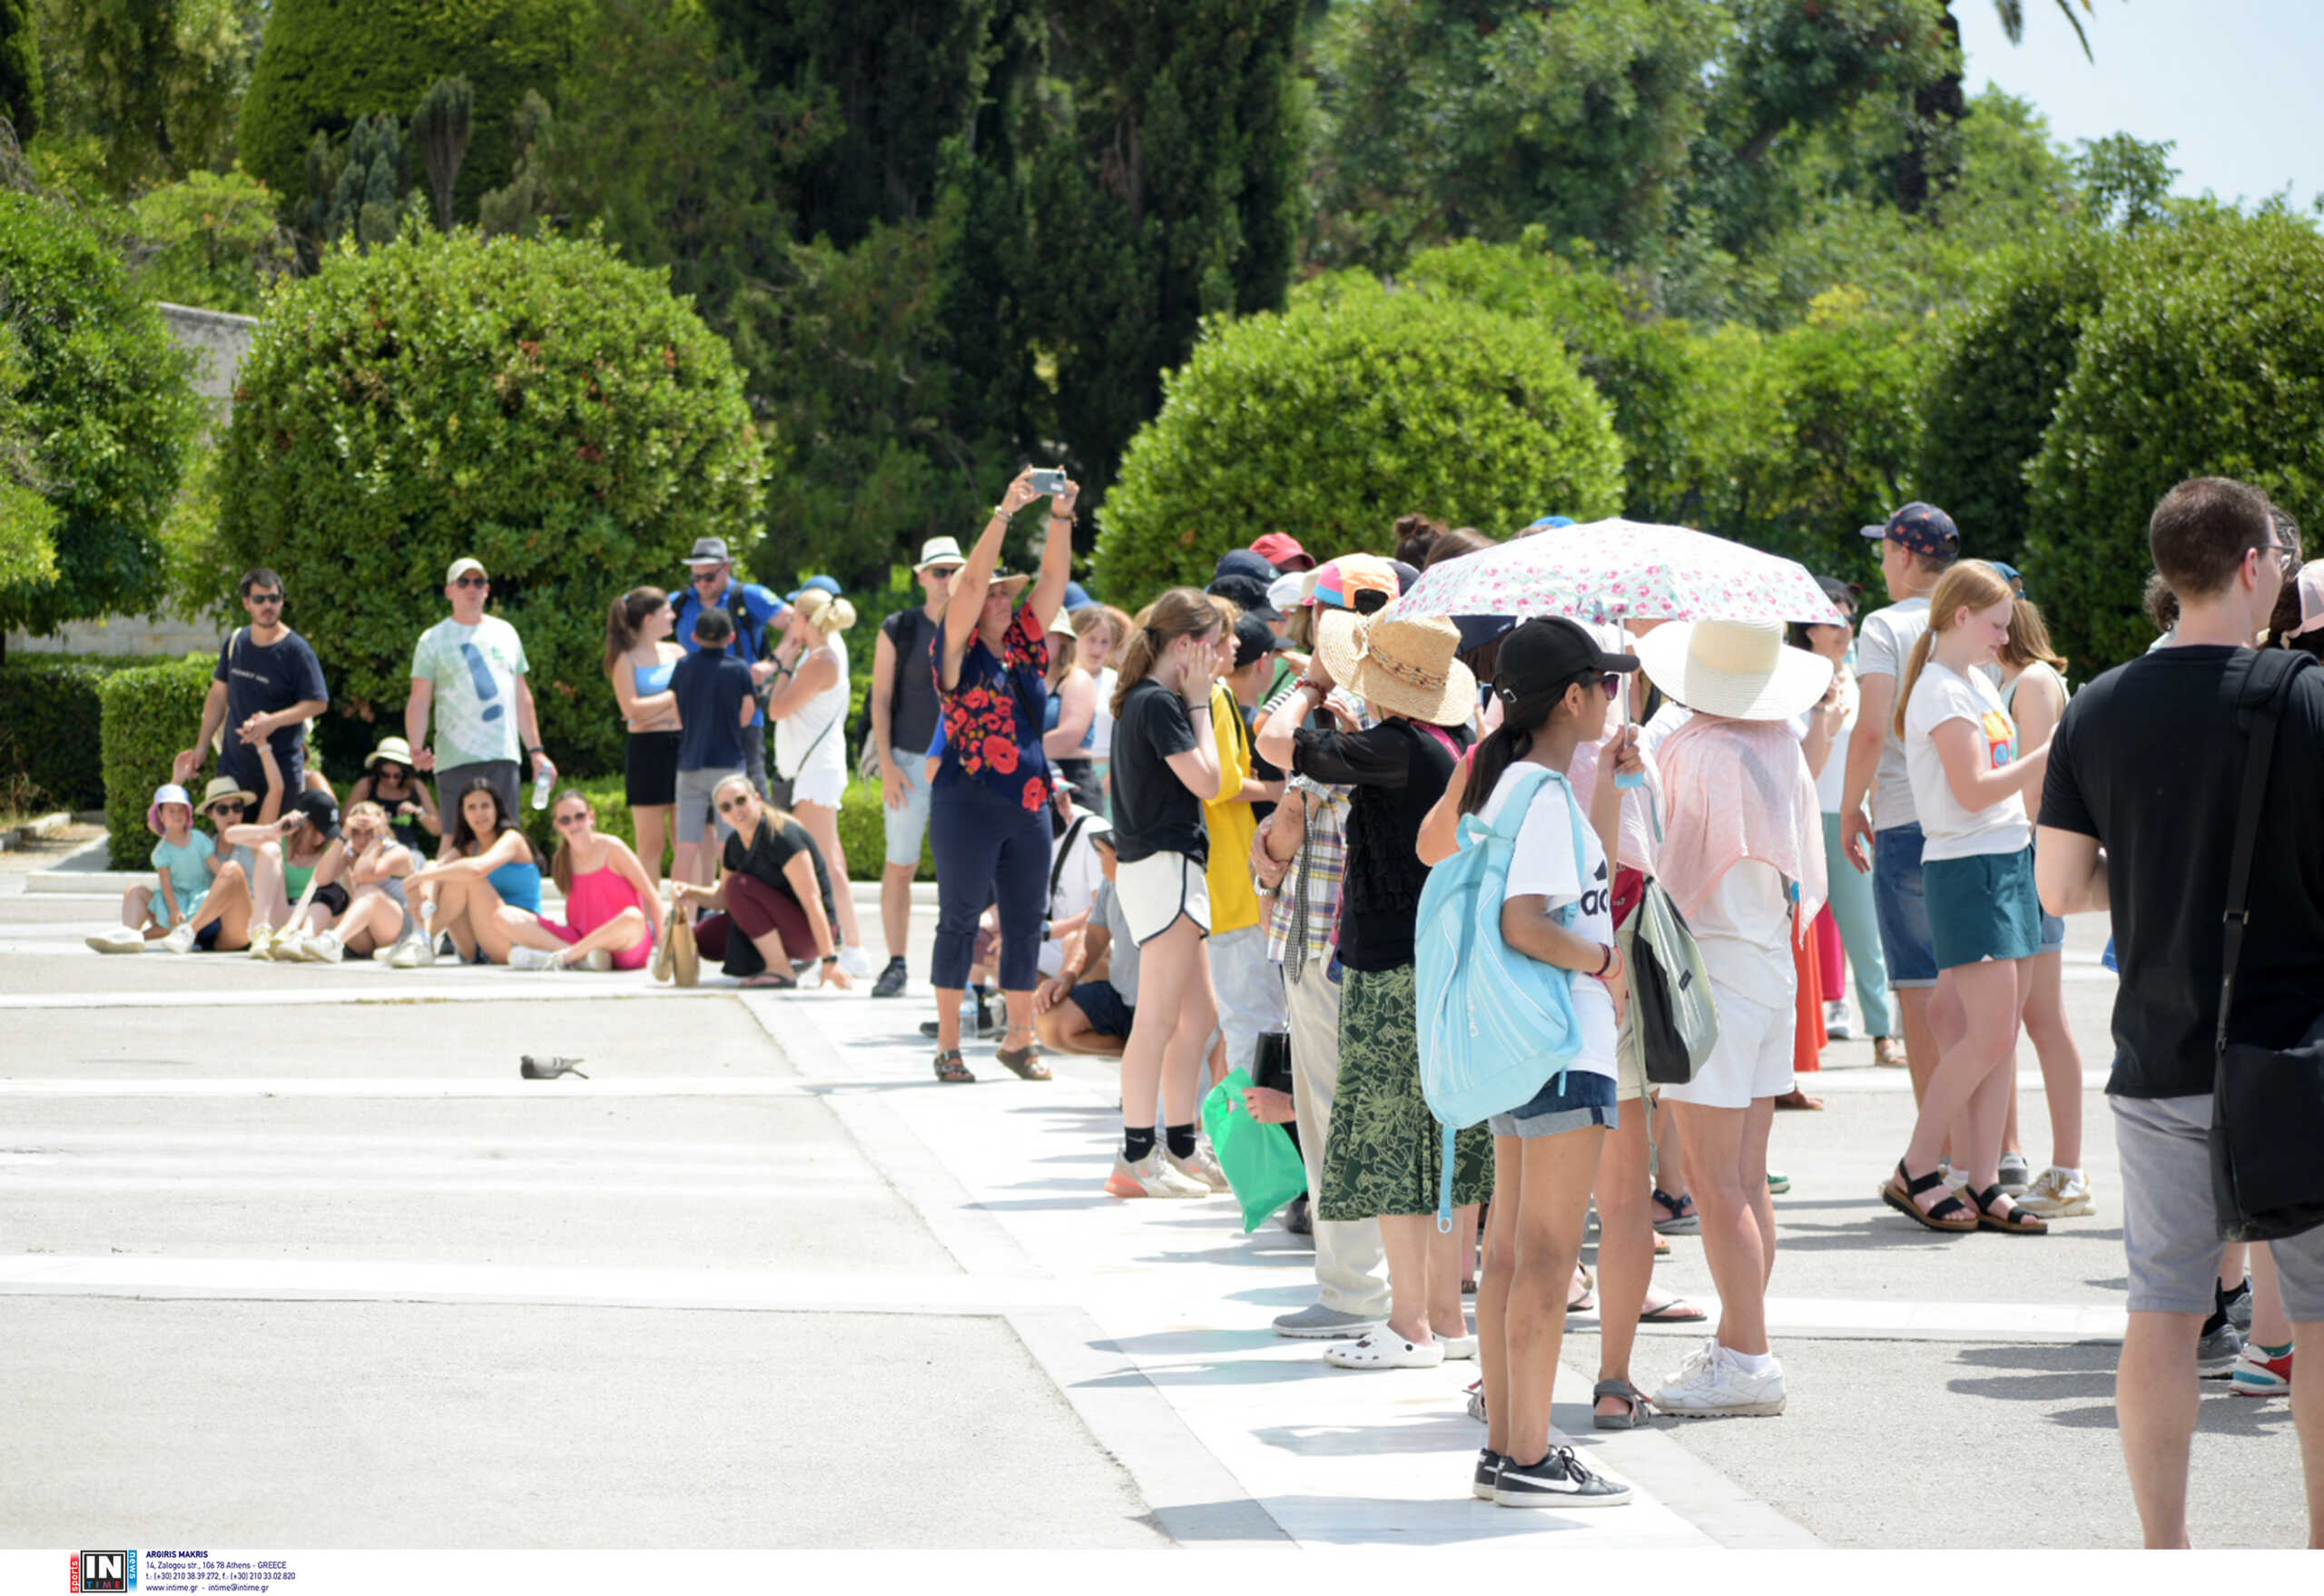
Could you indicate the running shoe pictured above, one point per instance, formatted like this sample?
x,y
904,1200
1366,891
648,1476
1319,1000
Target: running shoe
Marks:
x,y
2236,1305
2016,1175
179,939
2257,1373
1560,1479
892,980
1778,1182
2216,1354
854,961
1839,1024
2055,1195
412,953
118,938
1150,1177
261,940
1712,1385
1202,1165
520,957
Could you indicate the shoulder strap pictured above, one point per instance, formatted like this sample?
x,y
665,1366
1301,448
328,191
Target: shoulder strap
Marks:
x,y
2260,689
1065,851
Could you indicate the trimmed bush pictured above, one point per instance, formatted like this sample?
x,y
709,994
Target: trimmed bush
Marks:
x,y
149,712
534,403
2207,359
1358,404
50,718
324,62
96,381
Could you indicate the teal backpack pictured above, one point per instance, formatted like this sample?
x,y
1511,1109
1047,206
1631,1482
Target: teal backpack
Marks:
x,y
1494,1025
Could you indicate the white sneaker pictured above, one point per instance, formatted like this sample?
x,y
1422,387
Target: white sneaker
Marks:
x,y
520,957
1203,1167
261,941
412,953
2056,1195
1711,1385
288,947
118,938
855,961
323,948
600,959
1151,1176
181,938
1839,1021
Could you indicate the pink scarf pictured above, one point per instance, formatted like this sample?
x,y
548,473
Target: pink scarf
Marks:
x,y
1738,790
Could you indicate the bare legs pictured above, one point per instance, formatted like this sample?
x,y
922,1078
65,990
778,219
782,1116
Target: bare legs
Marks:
x,y
137,912
821,822
1728,1152
1539,1200
475,919
1970,1078
619,935
2053,1044
1625,1240
1424,1274
895,906
652,839
1175,1015
228,906
2155,1400
1065,1029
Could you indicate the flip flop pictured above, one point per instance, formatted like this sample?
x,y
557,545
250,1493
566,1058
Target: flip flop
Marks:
x,y
1677,1311
768,977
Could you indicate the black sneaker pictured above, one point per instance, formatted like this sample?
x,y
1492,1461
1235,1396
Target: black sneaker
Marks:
x,y
1489,1463
2236,1305
2215,1354
1559,1479
892,980
1298,1217
533,1069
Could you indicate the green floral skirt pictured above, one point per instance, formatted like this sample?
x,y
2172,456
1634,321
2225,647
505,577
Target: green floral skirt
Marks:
x,y
1385,1151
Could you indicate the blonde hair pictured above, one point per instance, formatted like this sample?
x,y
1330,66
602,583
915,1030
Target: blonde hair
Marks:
x,y
781,815
1971,585
824,614
1182,612
2029,639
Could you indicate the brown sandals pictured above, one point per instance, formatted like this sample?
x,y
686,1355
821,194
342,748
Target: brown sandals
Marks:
x,y
1951,1216
1025,1062
951,1070
2016,1222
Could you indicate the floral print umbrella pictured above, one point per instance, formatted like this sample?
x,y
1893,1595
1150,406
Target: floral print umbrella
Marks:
x,y
1615,570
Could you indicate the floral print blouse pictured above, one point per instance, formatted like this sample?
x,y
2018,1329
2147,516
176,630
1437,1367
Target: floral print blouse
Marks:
x,y
992,718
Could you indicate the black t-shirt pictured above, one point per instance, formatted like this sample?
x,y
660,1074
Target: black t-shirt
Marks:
x,y
262,681
1399,770
1153,812
764,857
913,709
2149,761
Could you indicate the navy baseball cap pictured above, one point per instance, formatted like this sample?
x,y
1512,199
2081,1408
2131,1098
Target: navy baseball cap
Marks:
x,y
1243,562
1247,594
1923,529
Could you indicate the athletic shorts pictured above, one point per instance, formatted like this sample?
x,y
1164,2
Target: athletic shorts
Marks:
x,y
650,770
2170,1224
1751,1059
1981,908
1106,1013
697,806
1898,902
1157,890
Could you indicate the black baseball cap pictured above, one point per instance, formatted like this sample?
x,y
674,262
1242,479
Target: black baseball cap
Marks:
x,y
1247,594
1253,639
320,810
1547,651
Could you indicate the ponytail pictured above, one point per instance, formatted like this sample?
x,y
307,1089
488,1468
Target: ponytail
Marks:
x,y
1512,740
1971,585
1182,612
623,620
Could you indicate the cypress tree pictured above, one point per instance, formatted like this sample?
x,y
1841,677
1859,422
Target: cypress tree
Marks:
x,y
20,98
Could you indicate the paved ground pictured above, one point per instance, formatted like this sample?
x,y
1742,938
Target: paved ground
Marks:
x,y
715,1294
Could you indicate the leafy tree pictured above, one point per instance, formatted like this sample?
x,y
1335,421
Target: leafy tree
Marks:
x,y
327,63
154,86
27,520
23,100
356,187
211,241
2207,358
103,412
1356,405
538,404
2126,181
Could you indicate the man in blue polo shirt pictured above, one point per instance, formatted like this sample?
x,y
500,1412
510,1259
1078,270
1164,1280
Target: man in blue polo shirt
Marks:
x,y
750,606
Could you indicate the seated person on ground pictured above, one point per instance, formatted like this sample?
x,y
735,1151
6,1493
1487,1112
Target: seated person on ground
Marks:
x,y
485,894
609,901
1088,1005
181,860
773,892
223,924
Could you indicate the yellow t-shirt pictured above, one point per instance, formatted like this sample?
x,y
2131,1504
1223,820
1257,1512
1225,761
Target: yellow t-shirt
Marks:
x,y
1233,900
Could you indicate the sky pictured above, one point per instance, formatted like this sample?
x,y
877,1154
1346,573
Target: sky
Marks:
x,y
2232,81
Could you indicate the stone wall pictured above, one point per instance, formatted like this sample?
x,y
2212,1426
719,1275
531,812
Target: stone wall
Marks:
x,y
219,339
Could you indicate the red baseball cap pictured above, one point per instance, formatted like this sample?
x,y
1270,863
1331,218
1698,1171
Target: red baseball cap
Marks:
x,y
1282,550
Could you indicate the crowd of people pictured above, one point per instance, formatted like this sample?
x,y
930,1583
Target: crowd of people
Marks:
x,y
1198,838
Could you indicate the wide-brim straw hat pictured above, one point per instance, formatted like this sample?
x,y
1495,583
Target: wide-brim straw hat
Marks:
x,y
1011,583
1740,669
394,748
226,787
1400,665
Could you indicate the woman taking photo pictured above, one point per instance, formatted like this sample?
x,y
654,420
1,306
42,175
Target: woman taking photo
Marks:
x,y
773,895
810,715
608,901
1556,686
1969,782
639,659
1743,861
988,815
1166,766
1383,1157
485,893
391,779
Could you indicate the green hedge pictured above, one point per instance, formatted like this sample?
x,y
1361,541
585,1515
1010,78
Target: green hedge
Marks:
x,y
50,719
861,828
1358,404
150,714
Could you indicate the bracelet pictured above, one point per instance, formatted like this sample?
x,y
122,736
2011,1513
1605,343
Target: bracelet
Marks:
x,y
1604,964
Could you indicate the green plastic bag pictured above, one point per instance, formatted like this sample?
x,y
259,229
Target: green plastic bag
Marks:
x,y
1262,1166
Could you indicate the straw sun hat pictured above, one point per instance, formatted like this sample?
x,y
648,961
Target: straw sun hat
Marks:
x,y
1400,665
1740,669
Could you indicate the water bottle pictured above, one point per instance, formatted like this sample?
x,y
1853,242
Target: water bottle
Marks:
x,y
542,782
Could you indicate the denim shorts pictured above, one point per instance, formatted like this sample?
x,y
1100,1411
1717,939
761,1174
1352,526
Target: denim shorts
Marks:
x,y
907,826
1902,910
1578,1101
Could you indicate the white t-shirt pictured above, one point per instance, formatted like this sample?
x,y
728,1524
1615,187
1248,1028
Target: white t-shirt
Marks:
x,y
1099,742
1883,647
1744,931
1831,783
1542,864
1951,832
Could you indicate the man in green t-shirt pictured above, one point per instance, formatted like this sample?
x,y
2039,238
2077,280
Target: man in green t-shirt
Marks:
x,y
470,671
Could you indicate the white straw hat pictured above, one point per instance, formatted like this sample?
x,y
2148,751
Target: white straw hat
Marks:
x,y
1740,669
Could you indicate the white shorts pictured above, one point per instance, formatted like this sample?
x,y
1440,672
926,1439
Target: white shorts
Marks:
x,y
1752,1057
825,786
1159,888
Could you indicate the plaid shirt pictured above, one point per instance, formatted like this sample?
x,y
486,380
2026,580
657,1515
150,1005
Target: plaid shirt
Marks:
x,y
1307,902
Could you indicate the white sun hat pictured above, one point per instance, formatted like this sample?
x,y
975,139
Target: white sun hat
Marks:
x,y
1740,669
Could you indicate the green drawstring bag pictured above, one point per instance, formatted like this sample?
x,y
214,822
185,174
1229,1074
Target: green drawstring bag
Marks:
x,y
1262,1166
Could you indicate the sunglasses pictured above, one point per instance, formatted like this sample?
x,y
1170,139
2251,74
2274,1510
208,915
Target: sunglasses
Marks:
x,y
229,806
1612,684
473,582
732,804
703,578
572,819
263,598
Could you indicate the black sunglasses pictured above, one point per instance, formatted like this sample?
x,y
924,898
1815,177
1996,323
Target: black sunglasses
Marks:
x,y
732,804
263,598
229,806
473,582
572,819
